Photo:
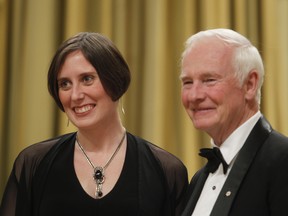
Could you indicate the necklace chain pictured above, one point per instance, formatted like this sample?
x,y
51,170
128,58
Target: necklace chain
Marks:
x,y
98,174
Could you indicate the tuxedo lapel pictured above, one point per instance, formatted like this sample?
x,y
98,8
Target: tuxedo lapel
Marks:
x,y
194,192
243,161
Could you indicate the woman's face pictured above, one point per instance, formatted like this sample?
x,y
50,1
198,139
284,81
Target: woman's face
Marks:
x,y
82,95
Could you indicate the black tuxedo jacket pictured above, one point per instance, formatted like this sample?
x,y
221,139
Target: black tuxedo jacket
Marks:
x,y
257,184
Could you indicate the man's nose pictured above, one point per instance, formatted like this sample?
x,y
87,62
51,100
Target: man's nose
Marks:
x,y
197,92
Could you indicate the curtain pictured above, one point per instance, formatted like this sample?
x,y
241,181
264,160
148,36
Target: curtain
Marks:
x,y
151,35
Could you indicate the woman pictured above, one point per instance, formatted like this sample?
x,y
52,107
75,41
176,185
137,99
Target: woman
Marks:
x,y
101,169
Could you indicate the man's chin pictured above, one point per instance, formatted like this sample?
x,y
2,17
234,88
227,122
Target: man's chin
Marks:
x,y
202,125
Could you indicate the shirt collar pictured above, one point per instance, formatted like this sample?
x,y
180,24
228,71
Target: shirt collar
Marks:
x,y
232,145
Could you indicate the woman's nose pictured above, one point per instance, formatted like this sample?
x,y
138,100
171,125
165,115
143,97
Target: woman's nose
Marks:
x,y
77,92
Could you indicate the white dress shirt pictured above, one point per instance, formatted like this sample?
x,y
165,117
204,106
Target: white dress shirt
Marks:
x,y
215,181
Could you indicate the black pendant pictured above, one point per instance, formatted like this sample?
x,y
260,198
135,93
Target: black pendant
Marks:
x,y
98,175
99,180
100,194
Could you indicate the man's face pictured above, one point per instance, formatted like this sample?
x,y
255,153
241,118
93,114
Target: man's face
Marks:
x,y
211,95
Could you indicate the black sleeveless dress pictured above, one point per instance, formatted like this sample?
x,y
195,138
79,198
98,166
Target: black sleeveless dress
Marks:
x,y
64,195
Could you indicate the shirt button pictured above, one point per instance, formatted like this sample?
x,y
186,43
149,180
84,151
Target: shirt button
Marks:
x,y
214,187
228,193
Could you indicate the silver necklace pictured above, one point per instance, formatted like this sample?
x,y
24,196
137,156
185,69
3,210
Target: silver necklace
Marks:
x,y
98,174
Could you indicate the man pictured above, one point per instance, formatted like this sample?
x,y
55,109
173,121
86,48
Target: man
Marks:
x,y
222,74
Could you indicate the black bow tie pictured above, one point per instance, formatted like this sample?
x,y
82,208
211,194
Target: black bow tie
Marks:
x,y
214,157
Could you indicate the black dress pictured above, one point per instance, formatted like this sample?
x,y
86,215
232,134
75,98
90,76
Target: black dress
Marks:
x,y
43,182
64,195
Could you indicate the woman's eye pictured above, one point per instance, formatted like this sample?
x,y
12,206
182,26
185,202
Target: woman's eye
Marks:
x,y
64,84
88,80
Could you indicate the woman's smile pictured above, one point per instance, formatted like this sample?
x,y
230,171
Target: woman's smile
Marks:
x,y
83,109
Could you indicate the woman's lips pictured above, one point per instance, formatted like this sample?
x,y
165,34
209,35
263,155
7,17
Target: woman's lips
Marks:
x,y
83,109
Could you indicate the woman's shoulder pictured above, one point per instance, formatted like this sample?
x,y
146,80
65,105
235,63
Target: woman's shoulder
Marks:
x,y
173,169
41,147
33,154
167,159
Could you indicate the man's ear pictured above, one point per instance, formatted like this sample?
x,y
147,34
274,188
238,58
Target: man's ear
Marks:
x,y
251,84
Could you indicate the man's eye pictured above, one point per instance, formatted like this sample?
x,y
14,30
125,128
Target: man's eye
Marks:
x,y
187,82
210,80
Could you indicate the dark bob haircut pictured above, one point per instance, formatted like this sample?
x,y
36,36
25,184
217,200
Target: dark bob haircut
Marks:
x,y
102,54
